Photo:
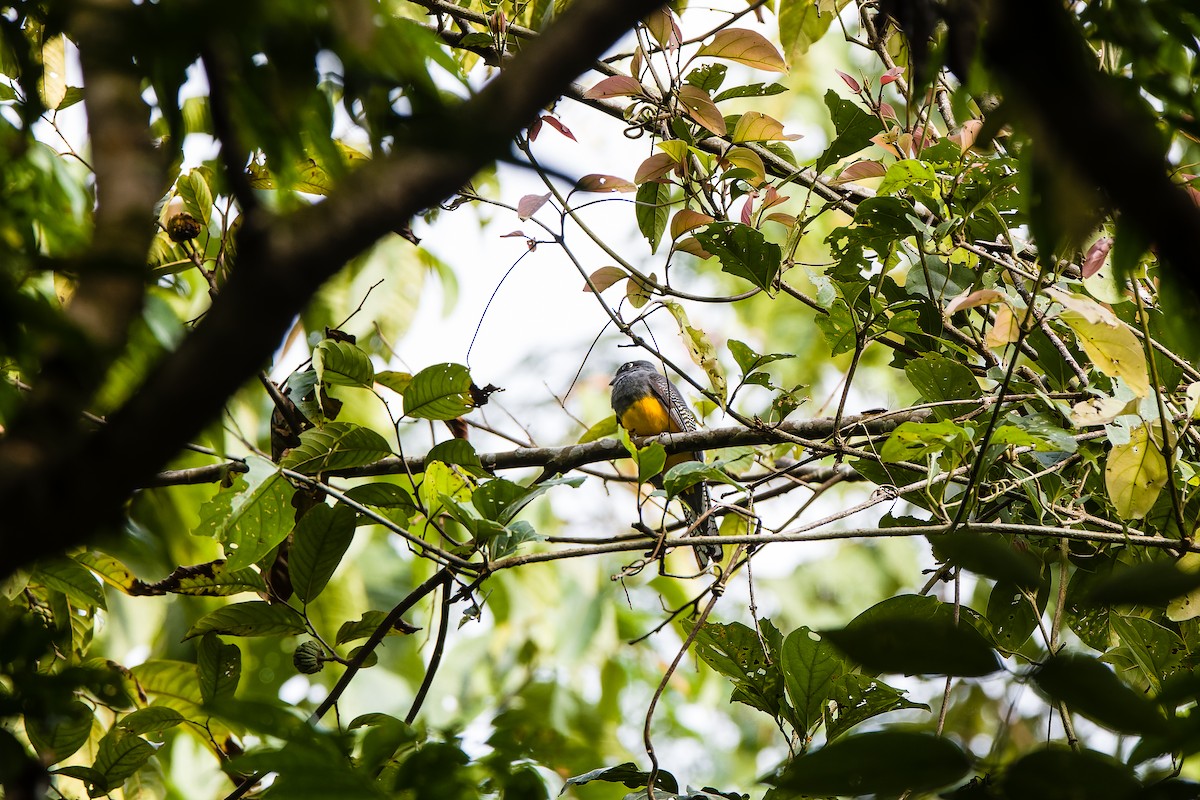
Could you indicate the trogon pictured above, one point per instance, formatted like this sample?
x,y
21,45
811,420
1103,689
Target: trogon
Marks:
x,y
647,404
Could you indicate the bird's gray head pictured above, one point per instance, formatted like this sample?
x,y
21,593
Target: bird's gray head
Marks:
x,y
632,366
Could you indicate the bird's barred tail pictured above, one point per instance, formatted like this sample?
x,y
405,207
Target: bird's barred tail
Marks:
x,y
696,503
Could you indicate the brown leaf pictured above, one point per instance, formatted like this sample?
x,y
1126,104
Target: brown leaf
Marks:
x,y
604,277
686,220
558,126
701,108
604,183
849,81
529,205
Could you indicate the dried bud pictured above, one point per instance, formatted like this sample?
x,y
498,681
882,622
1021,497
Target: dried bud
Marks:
x,y
183,227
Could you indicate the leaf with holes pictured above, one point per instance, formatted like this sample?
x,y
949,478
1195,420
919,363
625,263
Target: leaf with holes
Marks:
x,y
339,445
1135,472
252,516
441,391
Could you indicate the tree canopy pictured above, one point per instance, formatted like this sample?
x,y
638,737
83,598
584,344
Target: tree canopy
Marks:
x,y
925,271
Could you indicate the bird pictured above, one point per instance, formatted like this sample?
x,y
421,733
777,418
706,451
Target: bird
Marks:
x,y
647,404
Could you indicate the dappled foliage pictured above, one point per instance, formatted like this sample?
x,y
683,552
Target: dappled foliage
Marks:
x,y
260,540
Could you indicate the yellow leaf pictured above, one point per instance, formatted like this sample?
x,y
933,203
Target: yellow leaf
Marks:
x,y
1098,411
1005,330
754,126
746,158
701,108
1113,349
1134,474
1188,606
745,47
701,349
53,84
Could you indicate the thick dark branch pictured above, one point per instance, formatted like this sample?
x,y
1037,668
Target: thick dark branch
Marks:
x,y
111,277
282,262
1121,152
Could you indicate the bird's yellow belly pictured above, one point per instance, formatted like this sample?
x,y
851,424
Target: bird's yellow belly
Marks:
x,y
647,417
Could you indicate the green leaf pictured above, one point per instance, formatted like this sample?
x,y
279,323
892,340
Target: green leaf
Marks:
x,y
750,90
197,197
342,364
809,668
213,579
743,252
652,210
218,667
915,636
802,24
1011,616
389,499
368,624
856,698
1151,584
883,762
338,445
254,618
748,360
1090,688
52,85
396,381
151,719
458,452
1058,773
988,555
938,378
322,536
601,430
853,128
684,475
441,391
913,440
56,737
627,774
72,579
120,755
250,517
735,651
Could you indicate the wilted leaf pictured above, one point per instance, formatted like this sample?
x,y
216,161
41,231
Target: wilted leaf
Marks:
x,y
528,205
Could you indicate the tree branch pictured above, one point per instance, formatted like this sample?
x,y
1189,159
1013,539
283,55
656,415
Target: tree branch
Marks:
x,y
287,259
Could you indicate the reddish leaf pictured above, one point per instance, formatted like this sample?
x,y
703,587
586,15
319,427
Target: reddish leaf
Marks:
x,y
747,210
534,130
1096,254
692,246
887,112
558,126
604,183
859,170
529,205
891,75
965,138
604,278
685,220
787,220
745,47
655,167
849,81
517,234
773,197
701,108
614,86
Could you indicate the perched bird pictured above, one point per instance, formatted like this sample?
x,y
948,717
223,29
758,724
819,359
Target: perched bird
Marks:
x,y
647,404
